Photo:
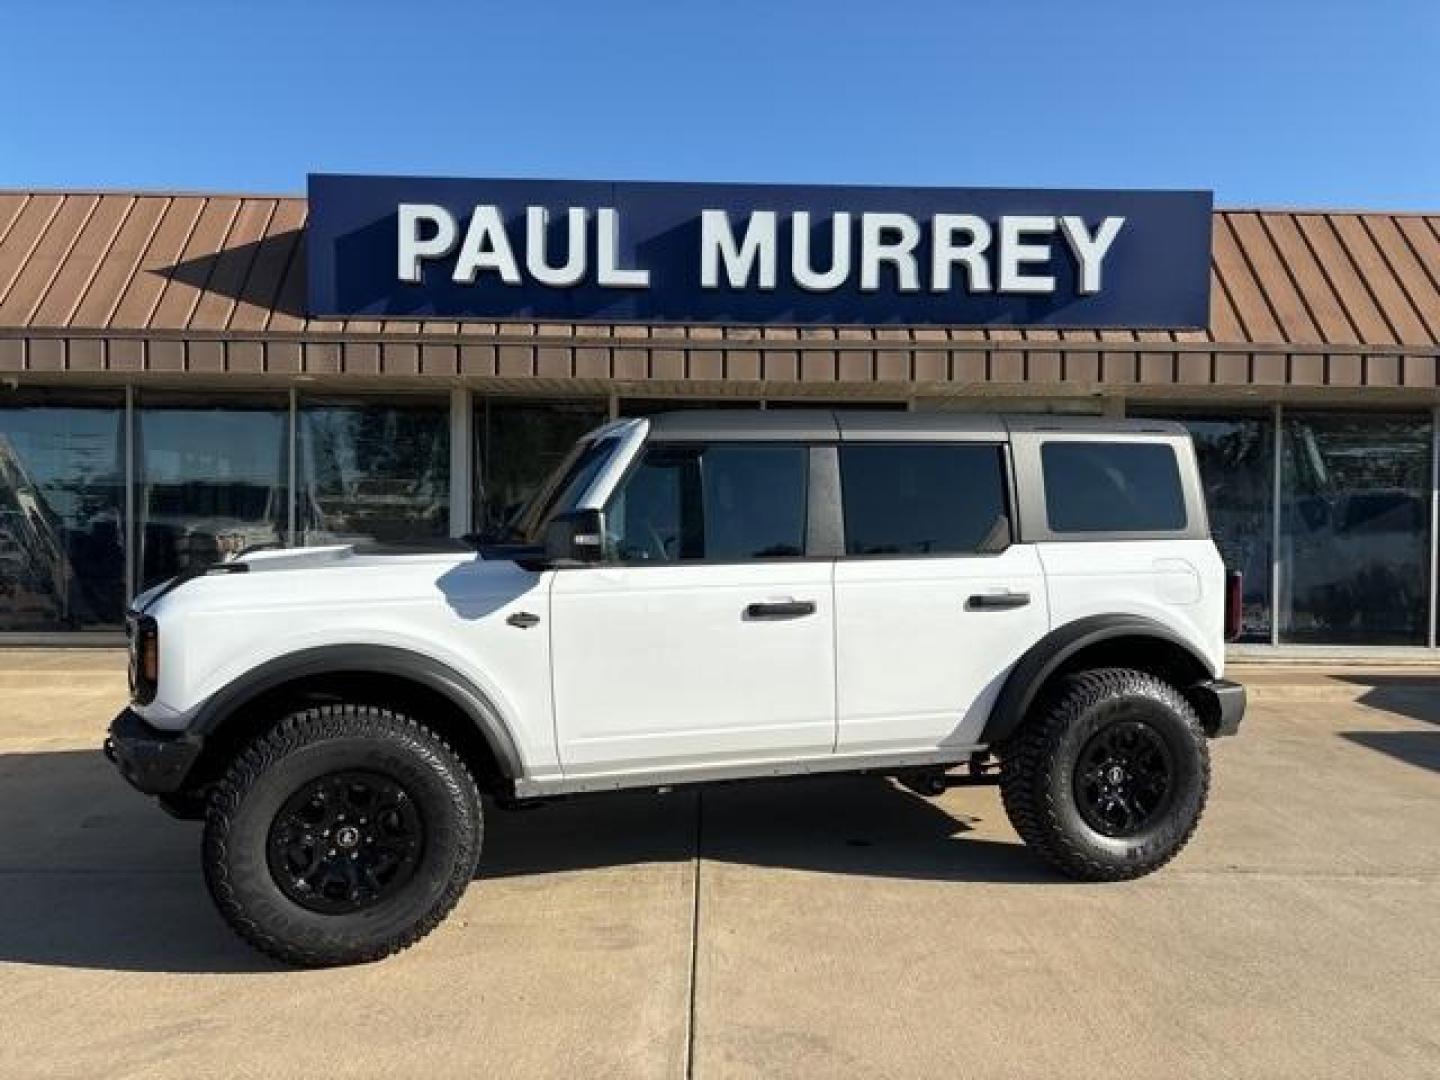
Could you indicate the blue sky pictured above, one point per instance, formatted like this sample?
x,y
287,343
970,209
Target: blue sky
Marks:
x,y
1269,102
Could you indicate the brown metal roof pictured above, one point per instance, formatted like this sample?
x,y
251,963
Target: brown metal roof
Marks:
x,y
230,269
227,263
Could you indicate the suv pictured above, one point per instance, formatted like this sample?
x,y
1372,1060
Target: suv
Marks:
x,y
699,597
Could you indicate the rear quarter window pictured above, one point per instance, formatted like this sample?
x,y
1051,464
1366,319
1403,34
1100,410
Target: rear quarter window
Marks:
x,y
1120,487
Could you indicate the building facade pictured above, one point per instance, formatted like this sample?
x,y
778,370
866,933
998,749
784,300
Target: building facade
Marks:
x,y
166,398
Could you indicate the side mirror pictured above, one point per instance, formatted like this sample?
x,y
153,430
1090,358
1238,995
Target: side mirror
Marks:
x,y
576,538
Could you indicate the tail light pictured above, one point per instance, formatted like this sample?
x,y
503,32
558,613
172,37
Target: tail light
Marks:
x,y
1234,604
144,672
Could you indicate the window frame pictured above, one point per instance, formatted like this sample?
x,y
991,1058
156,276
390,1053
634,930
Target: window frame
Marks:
x,y
819,535
1007,493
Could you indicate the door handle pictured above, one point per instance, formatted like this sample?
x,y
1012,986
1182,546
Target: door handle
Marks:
x,y
997,601
780,609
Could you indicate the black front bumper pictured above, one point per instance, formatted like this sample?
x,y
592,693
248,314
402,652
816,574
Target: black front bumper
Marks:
x,y
1221,704
153,761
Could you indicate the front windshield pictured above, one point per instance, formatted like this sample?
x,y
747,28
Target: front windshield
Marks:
x,y
562,490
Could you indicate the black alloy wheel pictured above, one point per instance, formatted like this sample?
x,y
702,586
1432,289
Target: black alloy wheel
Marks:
x,y
1123,778
346,841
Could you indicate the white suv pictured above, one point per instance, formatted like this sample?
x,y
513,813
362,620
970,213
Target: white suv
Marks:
x,y
699,597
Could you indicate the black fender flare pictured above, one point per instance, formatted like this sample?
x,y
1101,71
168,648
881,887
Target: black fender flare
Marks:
x,y
416,667
1048,654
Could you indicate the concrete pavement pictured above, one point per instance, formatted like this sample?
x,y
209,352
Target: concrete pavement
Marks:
x,y
835,927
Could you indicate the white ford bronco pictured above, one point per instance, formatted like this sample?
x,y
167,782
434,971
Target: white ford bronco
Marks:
x,y
694,597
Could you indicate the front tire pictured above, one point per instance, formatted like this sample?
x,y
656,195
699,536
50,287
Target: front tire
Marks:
x,y
342,835
1108,778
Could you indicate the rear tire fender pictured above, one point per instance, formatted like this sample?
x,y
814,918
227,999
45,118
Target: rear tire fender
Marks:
x,y
1052,654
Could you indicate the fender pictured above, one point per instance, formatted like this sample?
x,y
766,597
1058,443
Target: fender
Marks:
x,y
370,659
1048,654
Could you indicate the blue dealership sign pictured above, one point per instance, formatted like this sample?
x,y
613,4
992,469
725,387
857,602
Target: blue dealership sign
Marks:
x,y
389,247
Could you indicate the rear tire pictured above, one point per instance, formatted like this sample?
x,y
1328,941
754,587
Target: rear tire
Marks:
x,y
1108,777
342,835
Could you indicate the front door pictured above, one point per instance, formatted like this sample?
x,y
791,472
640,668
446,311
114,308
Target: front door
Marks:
x,y
707,637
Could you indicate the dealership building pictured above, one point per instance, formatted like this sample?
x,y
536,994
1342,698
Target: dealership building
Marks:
x,y
183,376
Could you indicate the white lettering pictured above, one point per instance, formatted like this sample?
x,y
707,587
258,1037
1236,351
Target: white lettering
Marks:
x,y
1090,250
537,228
486,247
899,252
610,275
802,271
947,249
412,247
717,244
1015,253
962,252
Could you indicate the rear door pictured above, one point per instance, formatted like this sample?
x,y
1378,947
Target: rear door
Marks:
x,y
708,636
933,602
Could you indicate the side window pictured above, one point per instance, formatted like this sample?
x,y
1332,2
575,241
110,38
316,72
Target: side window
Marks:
x,y
722,503
1112,487
923,499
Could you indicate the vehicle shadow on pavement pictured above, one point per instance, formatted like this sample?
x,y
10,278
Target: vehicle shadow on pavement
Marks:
x,y
861,825
94,876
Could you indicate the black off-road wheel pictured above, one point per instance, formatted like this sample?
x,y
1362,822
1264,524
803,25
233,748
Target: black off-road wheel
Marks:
x,y
1108,777
342,835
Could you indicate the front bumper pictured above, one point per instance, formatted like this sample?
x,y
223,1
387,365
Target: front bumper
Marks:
x,y
153,761
1221,704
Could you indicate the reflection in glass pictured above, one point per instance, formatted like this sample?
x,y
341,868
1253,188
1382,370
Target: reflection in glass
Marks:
x,y
211,483
374,472
1355,497
1235,453
520,444
62,563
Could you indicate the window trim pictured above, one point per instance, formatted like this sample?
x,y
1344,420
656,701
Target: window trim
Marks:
x,y
1007,490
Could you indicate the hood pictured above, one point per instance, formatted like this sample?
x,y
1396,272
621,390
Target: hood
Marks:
x,y
329,557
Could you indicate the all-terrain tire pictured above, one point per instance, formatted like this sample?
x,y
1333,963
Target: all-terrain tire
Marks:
x,y
309,748
1043,785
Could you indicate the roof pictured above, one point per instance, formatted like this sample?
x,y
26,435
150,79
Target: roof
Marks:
x,y
217,283
235,263
859,425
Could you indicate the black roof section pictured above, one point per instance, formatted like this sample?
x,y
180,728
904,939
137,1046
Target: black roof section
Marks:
x,y
847,425
761,425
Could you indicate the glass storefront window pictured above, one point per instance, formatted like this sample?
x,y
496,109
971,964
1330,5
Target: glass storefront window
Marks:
x,y
62,498
1355,528
211,481
1235,452
373,472
519,444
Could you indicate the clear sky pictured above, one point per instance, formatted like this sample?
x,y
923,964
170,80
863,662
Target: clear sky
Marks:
x,y
1268,102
